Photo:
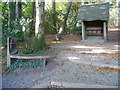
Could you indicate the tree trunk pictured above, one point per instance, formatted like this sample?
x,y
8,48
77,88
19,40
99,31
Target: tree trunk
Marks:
x,y
62,29
79,3
54,16
16,8
18,11
11,14
39,30
39,19
66,15
32,26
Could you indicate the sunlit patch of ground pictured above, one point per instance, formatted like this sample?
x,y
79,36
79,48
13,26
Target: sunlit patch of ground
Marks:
x,y
50,39
93,50
105,69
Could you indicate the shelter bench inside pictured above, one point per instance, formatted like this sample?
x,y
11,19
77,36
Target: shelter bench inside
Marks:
x,y
94,30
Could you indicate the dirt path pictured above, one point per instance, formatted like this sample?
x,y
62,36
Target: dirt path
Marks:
x,y
75,61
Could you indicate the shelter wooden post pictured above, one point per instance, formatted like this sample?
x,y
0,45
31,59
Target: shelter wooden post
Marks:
x,y
83,31
105,30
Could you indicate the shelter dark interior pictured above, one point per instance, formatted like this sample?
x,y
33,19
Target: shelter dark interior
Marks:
x,y
94,27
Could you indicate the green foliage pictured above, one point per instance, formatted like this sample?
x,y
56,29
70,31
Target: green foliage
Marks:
x,y
37,47
12,32
60,12
15,27
48,22
27,7
12,66
18,33
72,17
15,30
42,43
39,44
78,28
4,23
27,64
36,43
26,51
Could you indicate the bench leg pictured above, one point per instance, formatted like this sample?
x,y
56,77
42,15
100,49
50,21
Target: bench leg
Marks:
x,y
8,60
44,62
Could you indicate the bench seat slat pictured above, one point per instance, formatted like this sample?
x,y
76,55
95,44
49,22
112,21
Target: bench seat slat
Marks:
x,y
94,28
29,56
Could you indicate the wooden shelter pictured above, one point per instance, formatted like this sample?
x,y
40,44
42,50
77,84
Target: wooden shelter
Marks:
x,y
94,18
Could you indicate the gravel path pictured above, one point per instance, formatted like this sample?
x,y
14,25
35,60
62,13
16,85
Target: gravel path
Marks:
x,y
74,62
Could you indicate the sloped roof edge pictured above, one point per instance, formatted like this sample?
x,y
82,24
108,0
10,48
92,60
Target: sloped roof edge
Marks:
x,y
102,3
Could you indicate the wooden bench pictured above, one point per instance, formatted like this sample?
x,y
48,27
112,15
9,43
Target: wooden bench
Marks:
x,y
94,30
12,53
